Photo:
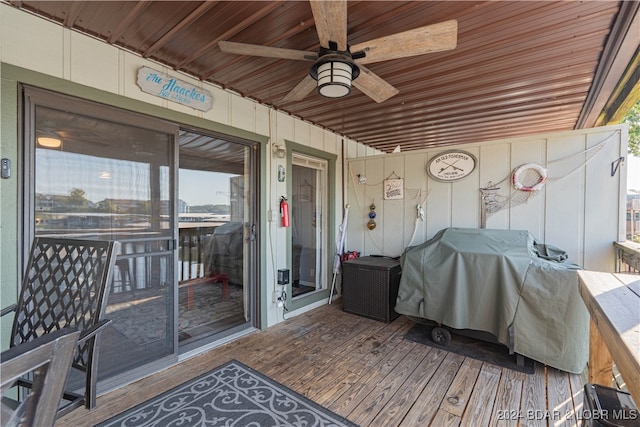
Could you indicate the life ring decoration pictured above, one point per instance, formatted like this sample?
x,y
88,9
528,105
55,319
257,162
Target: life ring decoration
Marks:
x,y
517,174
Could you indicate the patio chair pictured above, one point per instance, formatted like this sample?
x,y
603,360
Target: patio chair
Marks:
x,y
48,358
66,283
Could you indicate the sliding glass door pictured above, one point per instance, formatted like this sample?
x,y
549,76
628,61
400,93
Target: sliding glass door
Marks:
x,y
98,175
182,203
216,241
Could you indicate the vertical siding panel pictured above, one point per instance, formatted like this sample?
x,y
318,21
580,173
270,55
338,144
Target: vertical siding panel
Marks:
x,y
565,195
374,239
261,125
602,212
302,133
415,182
316,137
21,32
331,143
622,208
438,204
355,195
284,128
220,112
67,35
122,73
242,113
370,151
93,63
465,200
352,149
361,150
392,221
494,165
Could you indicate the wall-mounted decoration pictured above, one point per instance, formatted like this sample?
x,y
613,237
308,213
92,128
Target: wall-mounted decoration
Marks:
x,y
164,86
372,214
451,165
529,177
393,188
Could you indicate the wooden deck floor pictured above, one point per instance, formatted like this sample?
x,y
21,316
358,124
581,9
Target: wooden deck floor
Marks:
x,y
367,372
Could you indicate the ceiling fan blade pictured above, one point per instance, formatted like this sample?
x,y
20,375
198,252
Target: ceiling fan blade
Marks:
x,y
266,51
427,39
331,22
373,86
301,90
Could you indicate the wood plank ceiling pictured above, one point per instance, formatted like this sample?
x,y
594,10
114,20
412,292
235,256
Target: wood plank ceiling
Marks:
x,y
519,68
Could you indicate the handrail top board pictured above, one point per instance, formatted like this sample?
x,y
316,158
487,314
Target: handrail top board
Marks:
x,y
613,301
617,296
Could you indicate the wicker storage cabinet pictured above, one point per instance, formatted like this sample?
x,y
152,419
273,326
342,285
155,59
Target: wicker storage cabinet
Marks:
x,y
370,287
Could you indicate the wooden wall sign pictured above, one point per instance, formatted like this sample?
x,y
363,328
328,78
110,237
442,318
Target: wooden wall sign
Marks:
x,y
164,86
393,189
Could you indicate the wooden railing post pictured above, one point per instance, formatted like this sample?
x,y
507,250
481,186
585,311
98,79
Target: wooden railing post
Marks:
x,y
600,361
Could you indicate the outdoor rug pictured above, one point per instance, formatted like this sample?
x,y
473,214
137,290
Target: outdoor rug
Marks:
x,y
231,395
484,351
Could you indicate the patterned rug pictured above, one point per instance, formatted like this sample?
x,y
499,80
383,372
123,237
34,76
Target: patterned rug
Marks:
x,y
231,395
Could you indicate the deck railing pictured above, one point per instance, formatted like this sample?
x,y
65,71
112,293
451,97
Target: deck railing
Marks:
x,y
141,258
627,257
191,251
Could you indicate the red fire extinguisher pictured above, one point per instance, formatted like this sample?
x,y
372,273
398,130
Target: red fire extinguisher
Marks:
x,y
284,211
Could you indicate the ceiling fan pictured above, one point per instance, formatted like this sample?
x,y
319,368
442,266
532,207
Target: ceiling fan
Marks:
x,y
337,65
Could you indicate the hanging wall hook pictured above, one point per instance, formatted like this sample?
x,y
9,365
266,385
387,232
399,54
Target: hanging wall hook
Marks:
x,y
615,165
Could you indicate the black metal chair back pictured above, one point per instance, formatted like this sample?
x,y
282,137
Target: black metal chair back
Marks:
x,y
66,283
48,359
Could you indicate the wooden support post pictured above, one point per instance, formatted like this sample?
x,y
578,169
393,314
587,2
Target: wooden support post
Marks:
x,y
600,361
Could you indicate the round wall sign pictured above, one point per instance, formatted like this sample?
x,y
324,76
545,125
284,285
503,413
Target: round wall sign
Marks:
x,y
451,165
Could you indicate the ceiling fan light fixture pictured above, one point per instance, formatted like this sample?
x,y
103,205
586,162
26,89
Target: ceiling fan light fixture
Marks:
x,y
334,79
334,73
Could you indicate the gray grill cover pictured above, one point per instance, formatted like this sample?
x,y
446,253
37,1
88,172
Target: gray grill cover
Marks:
x,y
501,282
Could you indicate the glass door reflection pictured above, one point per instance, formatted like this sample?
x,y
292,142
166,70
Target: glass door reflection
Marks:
x,y
214,246
110,180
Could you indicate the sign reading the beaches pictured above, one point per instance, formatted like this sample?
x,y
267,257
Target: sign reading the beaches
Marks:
x,y
167,87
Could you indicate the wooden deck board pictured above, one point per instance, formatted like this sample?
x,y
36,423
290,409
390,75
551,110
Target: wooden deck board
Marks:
x,y
478,410
368,409
559,401
461,388
403,399
368,372
361,390
429,400
533,404
507,398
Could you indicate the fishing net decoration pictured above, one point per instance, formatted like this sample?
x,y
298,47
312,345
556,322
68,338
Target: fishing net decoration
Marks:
x,y
526,181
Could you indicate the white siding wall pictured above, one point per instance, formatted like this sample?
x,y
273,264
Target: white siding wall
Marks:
x,y
580,209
